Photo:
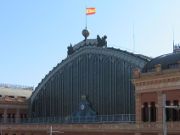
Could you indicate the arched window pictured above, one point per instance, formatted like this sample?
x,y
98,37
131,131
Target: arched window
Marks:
x,y
153,112
145,112
168,112
1,117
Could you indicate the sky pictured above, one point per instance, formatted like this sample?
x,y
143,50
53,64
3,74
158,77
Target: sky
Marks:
x,y
34,34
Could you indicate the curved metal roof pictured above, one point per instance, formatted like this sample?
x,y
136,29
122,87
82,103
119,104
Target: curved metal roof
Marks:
x,y
167,61
80,50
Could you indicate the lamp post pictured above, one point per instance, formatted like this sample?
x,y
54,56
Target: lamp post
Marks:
x,y
53,131
164,113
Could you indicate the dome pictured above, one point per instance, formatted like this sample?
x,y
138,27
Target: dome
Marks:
x,y
167,61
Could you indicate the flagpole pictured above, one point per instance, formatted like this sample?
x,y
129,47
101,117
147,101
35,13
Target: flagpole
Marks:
x,y
85,19
86,14
89,11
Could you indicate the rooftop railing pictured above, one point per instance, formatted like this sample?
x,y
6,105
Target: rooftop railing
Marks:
x,y
122,118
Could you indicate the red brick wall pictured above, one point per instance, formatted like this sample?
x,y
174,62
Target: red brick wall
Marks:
x,y
148,97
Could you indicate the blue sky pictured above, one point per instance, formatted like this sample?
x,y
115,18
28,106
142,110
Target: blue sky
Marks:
x,y
34,34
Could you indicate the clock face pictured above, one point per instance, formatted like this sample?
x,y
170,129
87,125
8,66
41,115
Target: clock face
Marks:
x,y
82,107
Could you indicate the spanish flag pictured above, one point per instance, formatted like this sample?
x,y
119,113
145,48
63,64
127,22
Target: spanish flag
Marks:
x,y
90,11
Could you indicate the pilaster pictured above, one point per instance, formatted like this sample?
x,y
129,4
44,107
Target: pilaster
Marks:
x,y
138,108
159,107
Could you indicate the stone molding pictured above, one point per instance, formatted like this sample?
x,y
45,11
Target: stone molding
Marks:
x,y
157,82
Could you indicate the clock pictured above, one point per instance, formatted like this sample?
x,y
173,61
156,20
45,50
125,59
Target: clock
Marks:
x,y
82,106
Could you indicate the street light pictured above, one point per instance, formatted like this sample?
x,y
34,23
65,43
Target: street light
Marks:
x,y
164,113
53,131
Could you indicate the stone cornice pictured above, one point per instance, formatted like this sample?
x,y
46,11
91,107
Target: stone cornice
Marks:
x,y
153,82
155,87
151,79
162,73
